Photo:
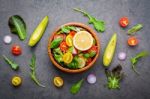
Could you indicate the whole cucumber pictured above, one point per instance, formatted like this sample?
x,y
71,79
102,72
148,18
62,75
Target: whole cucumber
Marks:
x,y
38,32
110,50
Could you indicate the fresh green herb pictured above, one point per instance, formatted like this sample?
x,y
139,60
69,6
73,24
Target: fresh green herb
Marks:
x,y
17,26
86,55
134,60
67,29
135,29
13,65
114,77
55,43
32,66
99,25
76,87
74,64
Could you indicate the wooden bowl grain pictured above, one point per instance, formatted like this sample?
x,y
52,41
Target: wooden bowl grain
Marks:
x,y
74,70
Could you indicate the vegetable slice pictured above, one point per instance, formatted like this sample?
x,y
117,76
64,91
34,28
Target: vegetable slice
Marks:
x,y
38,32
135,29
17,26
132,41
16,81
91,79
7,39
122,56
16,50
58,81
124,22
76,87
81,62
109,51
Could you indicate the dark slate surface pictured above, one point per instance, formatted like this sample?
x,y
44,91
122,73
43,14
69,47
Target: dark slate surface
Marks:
x,y
60,12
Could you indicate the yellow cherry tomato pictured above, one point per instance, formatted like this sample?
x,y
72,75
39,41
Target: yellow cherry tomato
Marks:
x,y
58,81
67,58
16,81
69,41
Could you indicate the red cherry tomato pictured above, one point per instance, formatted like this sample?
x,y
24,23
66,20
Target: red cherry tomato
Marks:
x,y
63,46
63,36
93,48
16,50
124,22
132,41
89,60
72,33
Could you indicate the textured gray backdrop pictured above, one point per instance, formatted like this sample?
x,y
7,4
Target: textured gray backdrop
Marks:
x,y
60,12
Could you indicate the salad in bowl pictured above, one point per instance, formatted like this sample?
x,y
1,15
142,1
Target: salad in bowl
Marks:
x,y
73,47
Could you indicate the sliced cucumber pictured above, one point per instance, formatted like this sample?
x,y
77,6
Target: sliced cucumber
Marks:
x,y
109,51
81,62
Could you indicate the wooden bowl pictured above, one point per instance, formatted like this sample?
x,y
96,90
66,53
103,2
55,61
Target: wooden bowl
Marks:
x,y
74,70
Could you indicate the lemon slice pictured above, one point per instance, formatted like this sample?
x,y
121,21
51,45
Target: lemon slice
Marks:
x,y
67,58
83,40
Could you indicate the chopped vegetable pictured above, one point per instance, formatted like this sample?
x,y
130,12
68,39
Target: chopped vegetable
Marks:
x,y
67,58
110,50
17,26
122,56
91,79
63,46
74,64
67,29
69,41
124,22
114,77
38,32
58,55
99,25
81,62
16,81
72,33
134,60
92,51
58,81
16,50
32,66
55,43
63,36
7,39
88,61
76,87
13,65
132,41
135,29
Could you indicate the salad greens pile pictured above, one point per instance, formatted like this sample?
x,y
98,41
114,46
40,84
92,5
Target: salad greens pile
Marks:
x,y
114,77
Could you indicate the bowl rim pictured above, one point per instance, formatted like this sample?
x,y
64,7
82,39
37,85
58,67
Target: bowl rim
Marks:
x,y
87,28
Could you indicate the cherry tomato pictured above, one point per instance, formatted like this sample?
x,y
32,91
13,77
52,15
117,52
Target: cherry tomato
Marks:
x,y
58,81
132,41
63,46
16,81
16,50
89,60
59,36
93,48
72,33
124,22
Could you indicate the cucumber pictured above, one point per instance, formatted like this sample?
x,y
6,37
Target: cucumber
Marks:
x,y
38,32
110,50
81,62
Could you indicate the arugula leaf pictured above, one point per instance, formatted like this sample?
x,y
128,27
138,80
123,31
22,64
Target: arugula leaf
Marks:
x,y
76,87
13,65
55,43
134,60
114,77
32,66
17,26
99,25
